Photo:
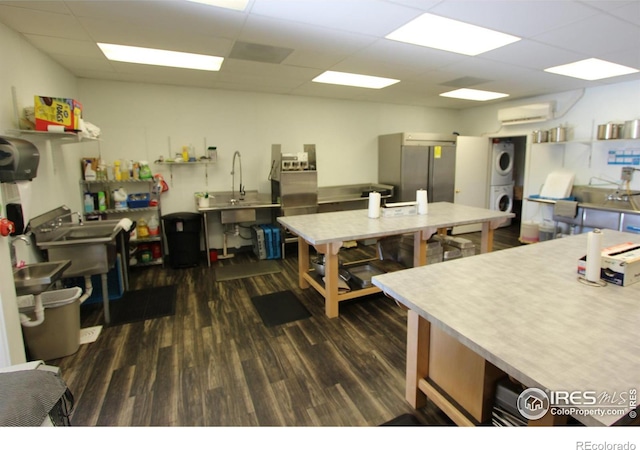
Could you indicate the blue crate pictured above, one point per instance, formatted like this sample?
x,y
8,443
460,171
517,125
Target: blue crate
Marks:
x,y
138,200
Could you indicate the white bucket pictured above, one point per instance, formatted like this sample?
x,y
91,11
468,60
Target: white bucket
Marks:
x,y
529,232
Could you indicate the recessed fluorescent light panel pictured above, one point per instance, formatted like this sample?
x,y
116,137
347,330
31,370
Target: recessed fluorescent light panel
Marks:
x,y
474,94
353,79
450,35
591,69
238,5
155,57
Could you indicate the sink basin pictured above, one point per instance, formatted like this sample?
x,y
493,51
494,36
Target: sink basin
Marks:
x,y
91,247
37,278
88,233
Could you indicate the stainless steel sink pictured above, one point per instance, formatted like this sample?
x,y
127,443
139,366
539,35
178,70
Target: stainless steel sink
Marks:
x,y
605,199
38,277
91,247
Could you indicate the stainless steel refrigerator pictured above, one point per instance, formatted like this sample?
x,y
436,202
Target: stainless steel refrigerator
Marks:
x,y
412,161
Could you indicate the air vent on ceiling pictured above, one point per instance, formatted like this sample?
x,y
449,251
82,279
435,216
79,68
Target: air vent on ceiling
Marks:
x,y
537,112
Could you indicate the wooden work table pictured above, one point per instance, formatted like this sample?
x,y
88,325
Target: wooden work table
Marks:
x,y
327,232
521,312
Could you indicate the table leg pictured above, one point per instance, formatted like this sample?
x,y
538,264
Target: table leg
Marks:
x,y
303,263
418,336
206,238
486,238
105,298
420,239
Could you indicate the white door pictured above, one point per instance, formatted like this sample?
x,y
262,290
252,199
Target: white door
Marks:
x,y
472,176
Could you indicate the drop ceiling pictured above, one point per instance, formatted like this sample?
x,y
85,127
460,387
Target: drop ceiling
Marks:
x,y
279,46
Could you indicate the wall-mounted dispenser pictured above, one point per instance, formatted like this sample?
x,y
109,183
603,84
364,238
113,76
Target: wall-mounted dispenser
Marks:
x,y
19,160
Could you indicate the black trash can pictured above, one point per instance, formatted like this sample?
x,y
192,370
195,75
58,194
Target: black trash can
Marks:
x,y
183,238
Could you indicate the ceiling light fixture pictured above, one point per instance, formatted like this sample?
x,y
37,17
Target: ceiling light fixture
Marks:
x,y
474,94
353,79
450,35
237,5
156,57
591,69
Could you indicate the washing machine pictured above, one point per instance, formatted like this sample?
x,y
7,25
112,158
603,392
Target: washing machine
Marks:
x,y
502,163
502,200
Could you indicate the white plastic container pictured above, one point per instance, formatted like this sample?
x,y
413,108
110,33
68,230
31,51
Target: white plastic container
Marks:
x,y
546,231
529,232
59,334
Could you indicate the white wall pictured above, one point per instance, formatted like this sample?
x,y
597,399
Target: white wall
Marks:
x,y
32,74
581,112
138,121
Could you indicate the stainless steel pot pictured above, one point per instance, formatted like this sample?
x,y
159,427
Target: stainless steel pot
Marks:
x,y
609,131
540,136
631,129
558,134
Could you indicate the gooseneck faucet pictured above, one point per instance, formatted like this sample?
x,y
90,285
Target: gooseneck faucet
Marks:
x,y
241,190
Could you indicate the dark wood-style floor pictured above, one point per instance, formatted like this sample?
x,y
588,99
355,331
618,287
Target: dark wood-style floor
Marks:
x,y
214,363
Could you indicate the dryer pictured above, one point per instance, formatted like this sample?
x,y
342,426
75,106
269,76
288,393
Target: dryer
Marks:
x,y
502,162
501,199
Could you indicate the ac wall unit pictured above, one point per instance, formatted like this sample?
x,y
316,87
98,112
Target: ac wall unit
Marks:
x,y
538,112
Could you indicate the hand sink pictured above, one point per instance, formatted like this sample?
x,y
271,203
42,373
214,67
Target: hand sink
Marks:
x,y
88,234
37,278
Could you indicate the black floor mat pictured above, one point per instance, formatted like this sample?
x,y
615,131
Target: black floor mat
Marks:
x,y
405,420
151,303
279,308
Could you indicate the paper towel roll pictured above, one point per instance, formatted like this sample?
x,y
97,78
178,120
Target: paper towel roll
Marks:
x,y
594,249
374,205
24,191
55,128
421,198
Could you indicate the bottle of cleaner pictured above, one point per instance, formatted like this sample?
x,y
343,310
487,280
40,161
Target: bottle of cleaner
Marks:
x,y
89,173
117,174
88,203
102,201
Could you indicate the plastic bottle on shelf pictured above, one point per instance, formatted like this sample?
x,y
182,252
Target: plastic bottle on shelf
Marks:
x,y
88,203
89,173
142,229
145,171
117,174
124,170
154,226
136,171
102,201
101,173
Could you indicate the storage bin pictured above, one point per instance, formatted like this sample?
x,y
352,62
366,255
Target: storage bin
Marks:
x,y
59,334
138,200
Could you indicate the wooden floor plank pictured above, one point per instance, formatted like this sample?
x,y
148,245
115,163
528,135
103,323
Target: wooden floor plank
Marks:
x,y
214,363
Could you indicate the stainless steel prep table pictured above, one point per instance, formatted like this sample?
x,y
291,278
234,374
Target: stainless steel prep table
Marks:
x,y
521,311
328,231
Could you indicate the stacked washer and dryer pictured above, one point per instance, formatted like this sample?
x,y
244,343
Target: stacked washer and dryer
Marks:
x,y
502,182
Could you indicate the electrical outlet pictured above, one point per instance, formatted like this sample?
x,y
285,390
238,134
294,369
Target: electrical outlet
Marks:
x,y
627,173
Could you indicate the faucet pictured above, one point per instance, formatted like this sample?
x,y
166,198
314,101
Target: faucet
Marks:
x,y
233,179
22,237
76,213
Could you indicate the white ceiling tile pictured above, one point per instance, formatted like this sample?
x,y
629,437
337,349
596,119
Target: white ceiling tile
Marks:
x,y
370,17
523,18
345,35
62,46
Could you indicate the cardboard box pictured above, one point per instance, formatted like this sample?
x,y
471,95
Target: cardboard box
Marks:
x,y
620,264
56,112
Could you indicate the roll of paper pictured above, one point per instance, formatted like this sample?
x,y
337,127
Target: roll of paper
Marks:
x,y
55,128
374,205
594,250
421,198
